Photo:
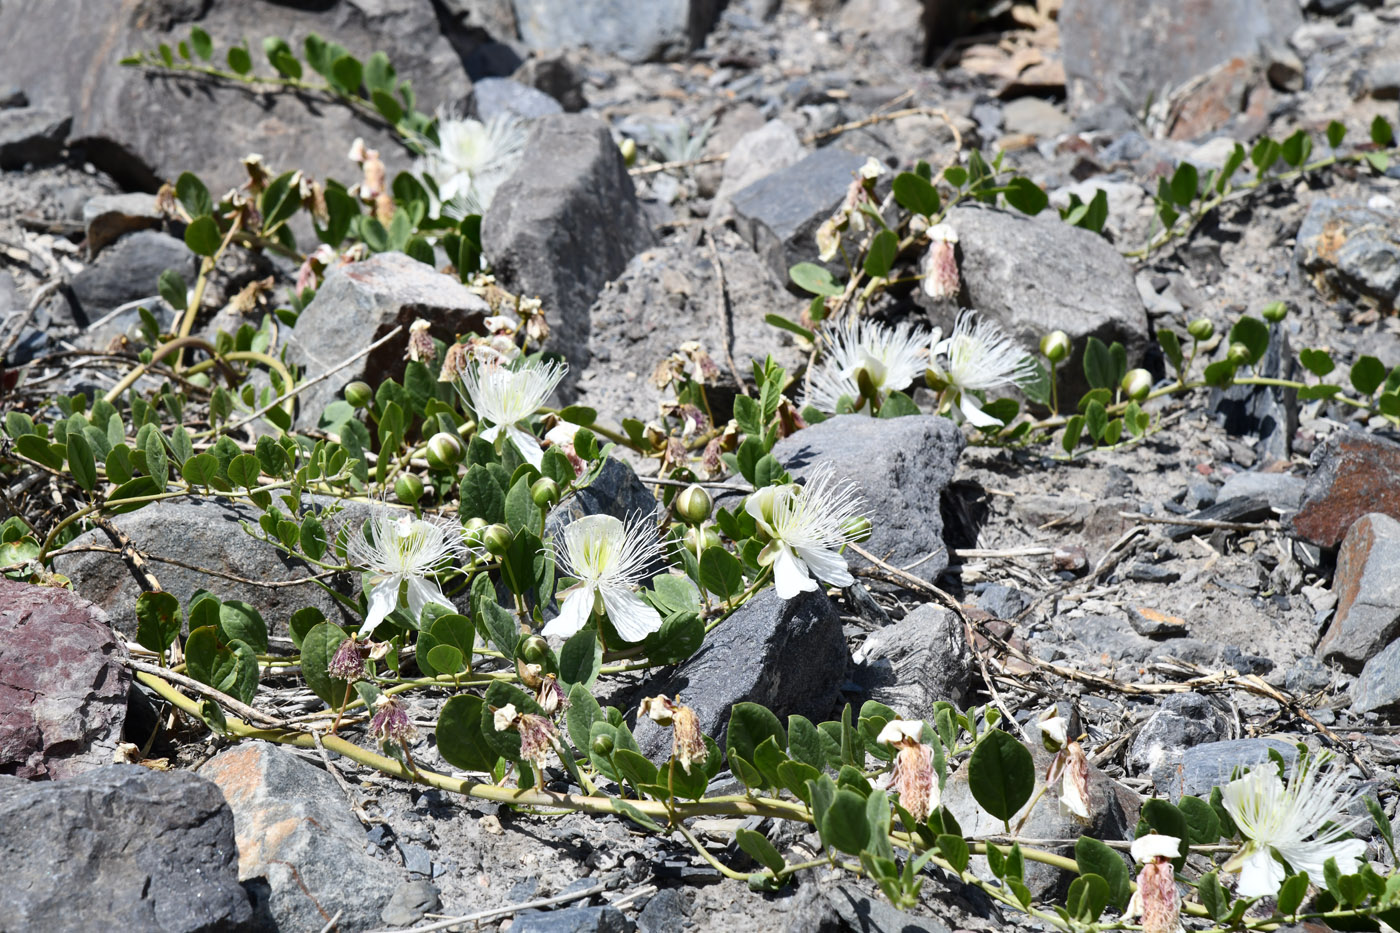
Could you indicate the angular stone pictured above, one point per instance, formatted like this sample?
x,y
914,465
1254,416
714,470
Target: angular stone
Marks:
x,y
492,97
605,919
110,216
410,902
1125,51
845,907
565,224
557,76
759,153
128,270
1352,473
1034,117
779,215
900,466
1211,764
1034,274
1353,249
1269,414
893,29
360,303
63,688
1283,491
296,834
31,136
120,848
788,655
666,297
204,533
1233,97
1378,687
615,491
1368,593
633,30
1180,721
914,663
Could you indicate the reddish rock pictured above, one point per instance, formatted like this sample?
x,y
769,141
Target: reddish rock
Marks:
x,y
1236,87
1368,593
1352,474
62,685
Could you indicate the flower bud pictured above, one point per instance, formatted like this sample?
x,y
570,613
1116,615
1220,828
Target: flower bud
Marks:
x,y
1055,346
444,450
359,394
628,147
1238,354
1136,384
1200,329
603,745
497,539
857,529
1274,311
545,492
472,529
534,649
693,504
408,489
697,539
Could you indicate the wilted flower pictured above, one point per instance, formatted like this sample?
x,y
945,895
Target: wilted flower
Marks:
x,y
398,551
420,342
390,722
1277,820
687,741
537,735
941,263
507,397
562,436
348,661
1157,899
1069,766
610,559
807,525
865,357
373,189
828,239
472,160
914,776
977,357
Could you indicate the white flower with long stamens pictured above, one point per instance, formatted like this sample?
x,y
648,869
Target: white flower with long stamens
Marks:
x,y
808,525
399,550
471,160
1277,819
890,358
978,356
506,397
610,559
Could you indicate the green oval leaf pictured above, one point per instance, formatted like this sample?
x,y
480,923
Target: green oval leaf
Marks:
x,y
1093,857
158,620
460,740
203,237
193,195
81,462
1001,774
721,573
1367,374
317,648
815,279
884,247
915,193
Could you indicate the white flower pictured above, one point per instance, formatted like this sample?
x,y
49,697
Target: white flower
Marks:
x,y
808,526
397,551
610,559
977,357
1153,845
891,357
901,730
472,160
507,397
1277,819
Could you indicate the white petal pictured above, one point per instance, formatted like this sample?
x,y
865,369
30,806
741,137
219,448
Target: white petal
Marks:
x,y
1260,874
490,434
790,574
973,413
827,564
1312,856
383,599
629,614
573,614
420,593
527,444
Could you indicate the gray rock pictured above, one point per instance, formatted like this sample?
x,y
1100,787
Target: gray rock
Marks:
x,y
670,295
788,655
361,302
1125,51
1269,414
1211,764
120,848
901,467
63,688
1004,602
1283,491
1351,248
1368,593
1251,508
410,902
295,832
615,491
204,533
1035,116
1180,721
891,29
914,663
565,224
1034,274
1378,687
779,215
758,154
604,919
1112,809
128,270
633,30
827,908
109,216
31,136
493,97
557,77
12,97
1307,675
664,913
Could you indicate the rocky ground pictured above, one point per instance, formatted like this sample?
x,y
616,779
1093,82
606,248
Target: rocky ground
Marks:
x,y
1220,589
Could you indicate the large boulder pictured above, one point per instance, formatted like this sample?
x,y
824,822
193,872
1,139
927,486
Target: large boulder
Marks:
x,y
565,224
120,848
634,30
1368,597
146,126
